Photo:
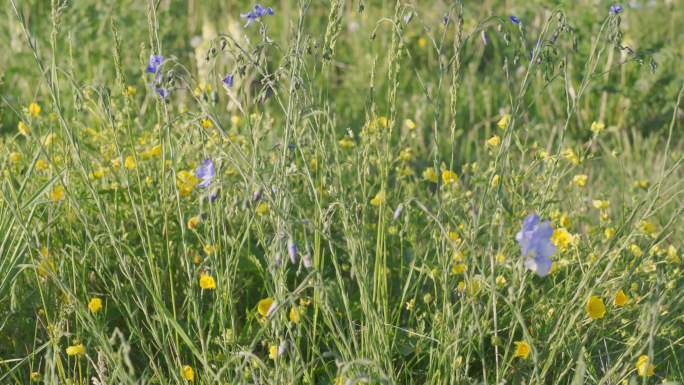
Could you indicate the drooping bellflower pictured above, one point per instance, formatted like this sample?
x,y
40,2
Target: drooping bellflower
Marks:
x,y
205,173
256,13
535,241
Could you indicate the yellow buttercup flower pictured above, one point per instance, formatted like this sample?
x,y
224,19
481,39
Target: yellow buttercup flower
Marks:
x,y
621,299
186,182
23,128
152,152
429,174
522,349
346,143
42,165
635,250
409,124
494,141
459,268
193,222
207,282
129,163
35,376
273,352
378,199
207,123
262,208
648,228
504,121
75,350
597,127
609,232
130,91
95,305
644,367
600,204
570,155
595,307
264,306
449,177
57,193
562,238
187,373
580,180
15,157
422,42
34,109
294,315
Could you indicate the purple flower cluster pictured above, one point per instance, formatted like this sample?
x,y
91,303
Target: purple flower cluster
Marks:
x,y
256,13
616,9
154,67
535,241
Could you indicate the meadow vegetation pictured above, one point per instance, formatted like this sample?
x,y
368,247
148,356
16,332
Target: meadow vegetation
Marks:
x,y
341,192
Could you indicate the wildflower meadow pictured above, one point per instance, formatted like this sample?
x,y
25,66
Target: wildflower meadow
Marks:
x,y
341,192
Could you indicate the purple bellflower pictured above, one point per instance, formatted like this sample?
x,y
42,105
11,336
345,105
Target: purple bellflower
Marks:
x,y
514,19
205,173
535,241
154,64
616,9
228,81
256,14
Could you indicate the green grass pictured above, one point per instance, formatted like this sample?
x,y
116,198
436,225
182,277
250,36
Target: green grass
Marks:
x,y
339,135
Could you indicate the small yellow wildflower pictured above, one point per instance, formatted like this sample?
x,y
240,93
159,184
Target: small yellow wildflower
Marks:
x,y
57,193
152,152
99,173
494,141
422,42
600,204
501,281
406,154
562,238
449,177
207,282
15,157
409,124
294,315
23,128
580,180
504,121
35,376
570,155
75,350
129,163
595,307
522,349
209,249
273,352
130,91
42,165
642,184
459,268
644,367
648,228
95,305
635,250
609,232
346,143
116,163
597,127
34,109
378,199
187,373
620,299
672,255
264,306
207,123
429,174
496,180
262,208
193,222
186,182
